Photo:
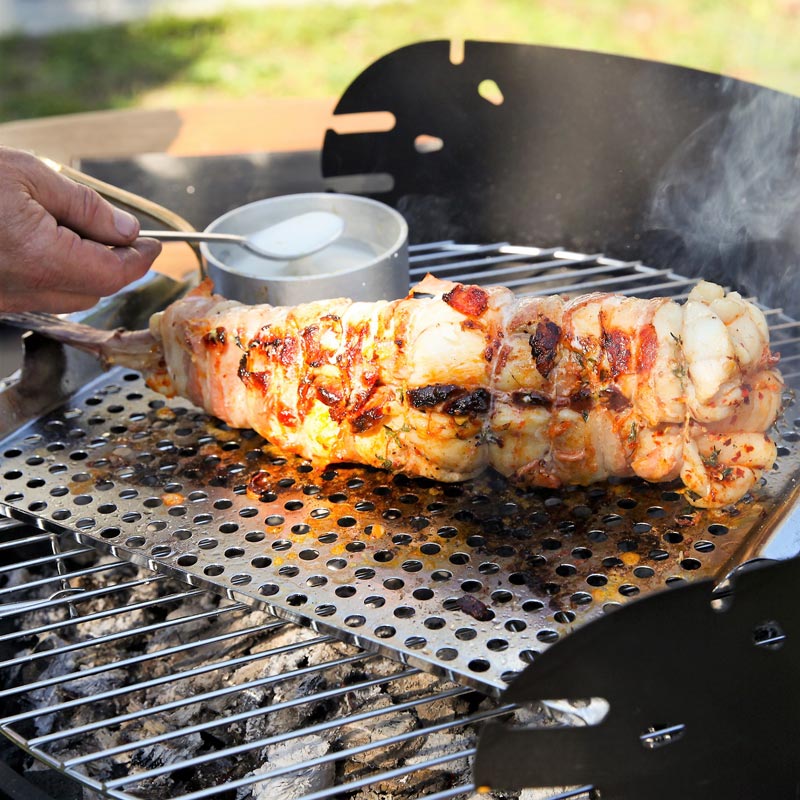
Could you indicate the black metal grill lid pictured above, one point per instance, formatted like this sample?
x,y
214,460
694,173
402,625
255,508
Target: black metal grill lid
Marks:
x,y
686,170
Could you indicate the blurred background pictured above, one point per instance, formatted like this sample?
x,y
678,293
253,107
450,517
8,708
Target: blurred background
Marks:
x,y
66,56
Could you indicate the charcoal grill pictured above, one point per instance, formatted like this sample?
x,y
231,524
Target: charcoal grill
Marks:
x,y
466,584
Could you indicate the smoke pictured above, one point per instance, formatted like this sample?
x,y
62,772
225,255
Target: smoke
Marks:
x,y
727,204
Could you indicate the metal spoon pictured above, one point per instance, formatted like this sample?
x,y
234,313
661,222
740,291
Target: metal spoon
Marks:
x,y
289,240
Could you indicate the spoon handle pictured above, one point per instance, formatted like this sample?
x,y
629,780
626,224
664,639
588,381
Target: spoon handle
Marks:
x,y
192,236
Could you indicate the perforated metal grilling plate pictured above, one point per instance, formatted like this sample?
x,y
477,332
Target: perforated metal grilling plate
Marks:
x,y
472,580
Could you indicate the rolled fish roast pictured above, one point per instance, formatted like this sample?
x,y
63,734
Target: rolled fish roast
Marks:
x,y
454,379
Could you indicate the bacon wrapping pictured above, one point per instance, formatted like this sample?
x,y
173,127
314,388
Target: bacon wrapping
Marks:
x,y
454,379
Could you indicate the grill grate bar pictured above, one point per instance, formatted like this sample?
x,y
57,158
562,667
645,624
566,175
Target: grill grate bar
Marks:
x,y
792,340
101,640
401,772
510,258
560,260
279,738
229,719
531,252
782,325
455,252
37,562
37,538
424,247
329,757
585,286
456,791
526,268
89,672
111,612
659,287
76,599
71,767
81,573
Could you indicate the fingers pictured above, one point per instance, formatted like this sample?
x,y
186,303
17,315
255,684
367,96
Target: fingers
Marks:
x,y
104,271
73,264
74,206
50,302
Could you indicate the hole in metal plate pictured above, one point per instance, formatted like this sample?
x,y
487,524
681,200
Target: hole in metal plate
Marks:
x,y
660,735
769,635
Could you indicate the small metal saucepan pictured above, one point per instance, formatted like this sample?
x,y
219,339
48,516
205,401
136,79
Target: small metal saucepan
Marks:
x,y
368,261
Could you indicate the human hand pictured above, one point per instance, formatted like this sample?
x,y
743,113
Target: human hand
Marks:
x,y
54,240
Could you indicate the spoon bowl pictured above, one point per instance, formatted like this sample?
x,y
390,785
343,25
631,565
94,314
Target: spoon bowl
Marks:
x,y
289,240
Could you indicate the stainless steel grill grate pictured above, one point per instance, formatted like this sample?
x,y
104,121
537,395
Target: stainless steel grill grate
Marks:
x,y
140,687
469,582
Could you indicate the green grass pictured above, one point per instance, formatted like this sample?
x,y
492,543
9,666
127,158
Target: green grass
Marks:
x,y
316,50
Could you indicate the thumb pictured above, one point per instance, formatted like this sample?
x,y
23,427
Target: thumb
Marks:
x,y
82,209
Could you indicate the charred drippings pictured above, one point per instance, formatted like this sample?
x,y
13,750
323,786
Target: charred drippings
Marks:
x,y
617,346
330,395
488,353
475,608
581,400
531,398
647,349
366,420
477,402
274,347
260,483
471,301
544,344
614,399
433,395
253,379
287,417
312,350
215,338
451,399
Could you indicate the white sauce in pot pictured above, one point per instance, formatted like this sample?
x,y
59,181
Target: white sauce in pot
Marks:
x,y
342,255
